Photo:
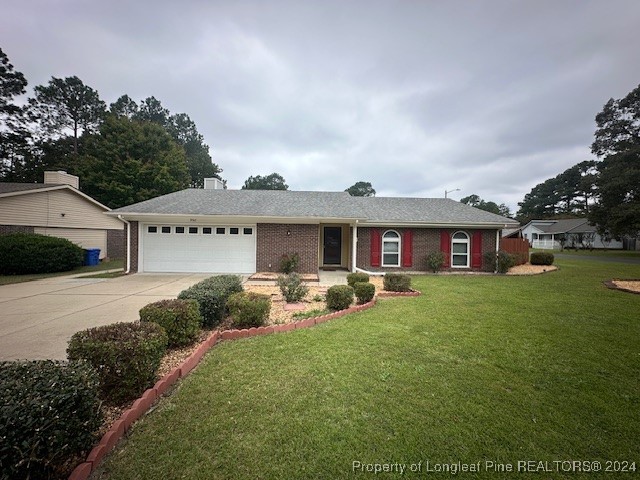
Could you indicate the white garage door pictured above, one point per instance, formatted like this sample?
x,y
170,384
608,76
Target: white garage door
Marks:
x,y
202,249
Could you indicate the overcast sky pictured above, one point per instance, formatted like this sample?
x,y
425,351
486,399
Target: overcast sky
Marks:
x,y
491,97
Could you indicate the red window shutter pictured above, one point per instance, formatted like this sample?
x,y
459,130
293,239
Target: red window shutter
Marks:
x,y
376,246
445,247
476,249
407,248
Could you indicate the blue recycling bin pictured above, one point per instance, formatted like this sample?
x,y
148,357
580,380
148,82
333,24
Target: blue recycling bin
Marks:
x,y
92,257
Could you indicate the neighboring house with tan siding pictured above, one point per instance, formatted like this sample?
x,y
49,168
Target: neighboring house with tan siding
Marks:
x,y
59,209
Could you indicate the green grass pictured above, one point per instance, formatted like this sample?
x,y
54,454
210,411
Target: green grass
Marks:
x,y
108,265
478,368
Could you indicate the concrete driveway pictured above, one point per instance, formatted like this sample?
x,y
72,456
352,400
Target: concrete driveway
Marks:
x,y
38,318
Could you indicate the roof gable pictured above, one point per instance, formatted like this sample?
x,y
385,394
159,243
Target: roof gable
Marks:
x,y
10,189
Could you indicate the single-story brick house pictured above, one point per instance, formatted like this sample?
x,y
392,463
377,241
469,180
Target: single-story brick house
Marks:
x,y
245,231
59,209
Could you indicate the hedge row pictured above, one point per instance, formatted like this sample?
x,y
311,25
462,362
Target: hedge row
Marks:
x,y
24,253
125,355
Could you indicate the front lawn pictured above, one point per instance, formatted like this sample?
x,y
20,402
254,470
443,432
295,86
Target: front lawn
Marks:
x,y
478,369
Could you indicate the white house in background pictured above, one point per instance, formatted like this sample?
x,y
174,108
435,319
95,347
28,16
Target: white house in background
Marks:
x,y
576,232
59,209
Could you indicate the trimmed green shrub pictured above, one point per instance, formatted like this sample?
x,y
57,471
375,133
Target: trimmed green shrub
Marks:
x,y
339,297
353,278
364,291
542,258
126,356
435,261
288,263
397,282
22,253
292,288
211,295
505,261
181,319
49,411
249,309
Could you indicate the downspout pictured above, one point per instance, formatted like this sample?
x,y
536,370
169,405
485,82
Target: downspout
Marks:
x,y
128,244
354,245
497,249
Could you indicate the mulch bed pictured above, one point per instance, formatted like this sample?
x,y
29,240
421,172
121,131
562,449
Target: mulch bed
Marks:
x,y
624,285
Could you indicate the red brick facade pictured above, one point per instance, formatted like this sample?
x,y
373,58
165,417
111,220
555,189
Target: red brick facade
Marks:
x,y
275,240
134,247
425,241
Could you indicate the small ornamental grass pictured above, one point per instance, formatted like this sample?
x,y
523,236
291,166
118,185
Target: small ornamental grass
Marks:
x,y
339,297
364,291
249,309
125,355
292,288
212,294
397,282
355,277
49,411
542,258
435,261
181,319
289,263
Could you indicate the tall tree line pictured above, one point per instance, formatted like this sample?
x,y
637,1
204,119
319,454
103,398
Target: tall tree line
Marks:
x,y
606,190
124,152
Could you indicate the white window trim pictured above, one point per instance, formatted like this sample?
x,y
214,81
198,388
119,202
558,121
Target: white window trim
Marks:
x,y
468,254
394,240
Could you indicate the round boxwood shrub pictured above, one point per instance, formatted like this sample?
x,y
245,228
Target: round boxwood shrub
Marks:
x,y
355,277
542,258
505,261
22,253
181,319
339,297
397,282
364,291
249,309
49,412
126,356
211,295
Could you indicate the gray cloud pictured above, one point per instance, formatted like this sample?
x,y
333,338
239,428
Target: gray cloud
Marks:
x,y
416,97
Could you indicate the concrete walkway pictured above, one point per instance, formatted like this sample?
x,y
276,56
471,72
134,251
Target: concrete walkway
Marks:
x,y
38,318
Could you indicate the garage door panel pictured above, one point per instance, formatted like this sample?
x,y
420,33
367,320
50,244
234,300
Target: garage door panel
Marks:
x,y
199,252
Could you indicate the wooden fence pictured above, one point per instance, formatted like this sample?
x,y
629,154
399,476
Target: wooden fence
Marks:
x,y
519,247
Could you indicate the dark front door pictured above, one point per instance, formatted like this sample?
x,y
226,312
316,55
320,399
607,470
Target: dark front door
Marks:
x,y
332,246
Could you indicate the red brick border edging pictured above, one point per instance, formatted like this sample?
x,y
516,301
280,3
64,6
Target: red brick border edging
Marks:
x,y
142,404
412,293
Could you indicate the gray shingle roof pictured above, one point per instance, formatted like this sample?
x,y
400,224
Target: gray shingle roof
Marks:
x,y
569,225
325,205
255,203
10,187
425,210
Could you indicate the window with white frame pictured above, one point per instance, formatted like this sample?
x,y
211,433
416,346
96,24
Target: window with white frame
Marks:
x,y
460,250
391,249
